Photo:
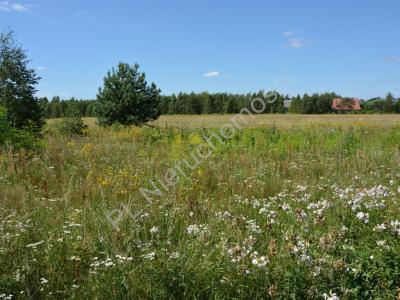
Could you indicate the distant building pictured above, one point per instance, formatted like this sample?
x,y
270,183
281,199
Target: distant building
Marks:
x,y
286,105
346,104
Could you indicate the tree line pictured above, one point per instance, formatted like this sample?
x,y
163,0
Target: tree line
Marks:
x,y
182,103
322,104
225,103
379,105
57,108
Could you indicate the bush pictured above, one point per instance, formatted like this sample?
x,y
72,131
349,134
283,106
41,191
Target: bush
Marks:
x,y
5,128
73,124
26,137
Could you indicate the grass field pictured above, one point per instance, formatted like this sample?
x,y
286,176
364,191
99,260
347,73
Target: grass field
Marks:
x,y
279,120
289,206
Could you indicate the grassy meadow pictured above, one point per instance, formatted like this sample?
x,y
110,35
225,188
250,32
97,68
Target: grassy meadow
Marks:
x,y
277,120
286,207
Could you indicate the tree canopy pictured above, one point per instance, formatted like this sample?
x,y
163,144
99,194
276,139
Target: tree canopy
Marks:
x,y
127,98
17,85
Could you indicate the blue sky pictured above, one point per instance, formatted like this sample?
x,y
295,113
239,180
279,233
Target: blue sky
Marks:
x,y
294,46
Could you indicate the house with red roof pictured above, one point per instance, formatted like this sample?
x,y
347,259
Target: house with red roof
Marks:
x,y
346,104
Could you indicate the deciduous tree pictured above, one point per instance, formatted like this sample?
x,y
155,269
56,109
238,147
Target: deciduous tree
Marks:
x,y
17,85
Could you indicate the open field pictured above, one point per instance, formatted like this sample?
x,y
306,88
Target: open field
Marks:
x,y
279,120
292,207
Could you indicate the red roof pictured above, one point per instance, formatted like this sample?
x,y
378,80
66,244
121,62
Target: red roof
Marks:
x,y
346,104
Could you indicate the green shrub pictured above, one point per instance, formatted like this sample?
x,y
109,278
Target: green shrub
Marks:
x,y
26,137
73,124
5,129
116,126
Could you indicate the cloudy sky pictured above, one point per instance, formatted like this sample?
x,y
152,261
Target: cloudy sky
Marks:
x,y
294,46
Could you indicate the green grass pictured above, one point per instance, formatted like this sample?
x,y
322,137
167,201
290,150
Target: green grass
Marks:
x,y
274,212
280,120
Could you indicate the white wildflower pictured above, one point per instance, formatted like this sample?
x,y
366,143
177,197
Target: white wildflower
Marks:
x,y
174,255
259,261
252,226
75,258
383,244
331,296
193,229
34,245
363,216
380,243
263,210
380,227
150,256
154,229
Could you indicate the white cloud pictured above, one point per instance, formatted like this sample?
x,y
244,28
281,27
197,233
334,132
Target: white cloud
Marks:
x,y
211,74
297,43
40,68
10,7
18,7
293,40
289,33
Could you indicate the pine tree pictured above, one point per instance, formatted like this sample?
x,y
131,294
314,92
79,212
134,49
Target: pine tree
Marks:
x,y
397,106
126,98
296,106
232,106
389,103
17,85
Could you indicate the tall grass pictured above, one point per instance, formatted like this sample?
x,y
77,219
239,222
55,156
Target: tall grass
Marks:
x,y
274,212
